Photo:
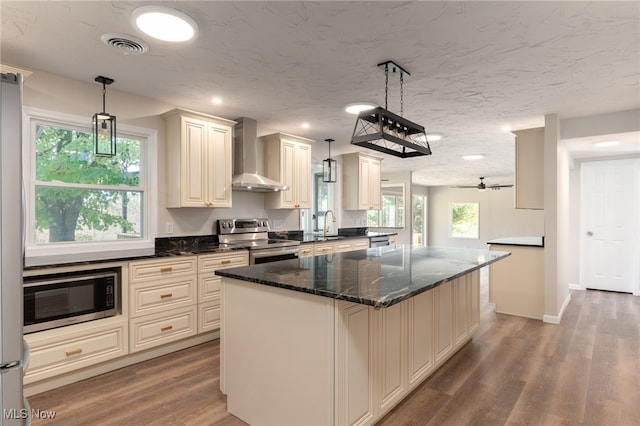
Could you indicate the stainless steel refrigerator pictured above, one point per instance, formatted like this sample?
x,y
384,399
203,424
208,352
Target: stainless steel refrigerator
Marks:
x,y
13,351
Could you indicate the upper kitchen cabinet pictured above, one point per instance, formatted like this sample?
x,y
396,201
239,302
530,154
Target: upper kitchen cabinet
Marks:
x,y
361,173
529,189
199,159
288,160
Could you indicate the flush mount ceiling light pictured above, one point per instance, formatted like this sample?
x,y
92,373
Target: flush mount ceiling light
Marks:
x,y
165,23
473,157
383,131
358,107
104,125
329,168
604,144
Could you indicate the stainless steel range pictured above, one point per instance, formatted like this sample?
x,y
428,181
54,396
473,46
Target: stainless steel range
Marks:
x,y
253,234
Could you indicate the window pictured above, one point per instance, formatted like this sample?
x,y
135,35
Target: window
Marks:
x,y
464,220
78,202
392,213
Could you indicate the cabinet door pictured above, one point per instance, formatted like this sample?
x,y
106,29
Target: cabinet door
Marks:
x,y
218,166
194,174
391,357
288,173
460,310
374,182
354,370
473,298
364,194
443,327
303,176
529,188
420,337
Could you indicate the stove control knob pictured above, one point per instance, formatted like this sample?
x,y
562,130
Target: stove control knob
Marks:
x,y
223,224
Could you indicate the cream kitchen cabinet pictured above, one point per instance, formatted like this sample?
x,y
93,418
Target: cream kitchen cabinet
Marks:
x,y
351,244
305,250
209,285
198,159
529,188
288,160
163,298
66,349
362,181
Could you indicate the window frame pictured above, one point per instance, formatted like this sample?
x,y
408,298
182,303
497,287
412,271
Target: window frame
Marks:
x,y
74,251
451,235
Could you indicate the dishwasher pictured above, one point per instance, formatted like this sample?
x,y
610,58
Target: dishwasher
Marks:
x,y
379,241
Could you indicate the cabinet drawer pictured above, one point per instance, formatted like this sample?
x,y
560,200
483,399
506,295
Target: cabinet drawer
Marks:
x,y
208,316
324,249
211,262
360,244
305,250
209,288
148,298
70,351
157,329
164,268
343,246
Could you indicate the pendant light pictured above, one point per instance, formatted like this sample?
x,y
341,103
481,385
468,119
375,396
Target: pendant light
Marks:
x,y
381,130
329,167
104,125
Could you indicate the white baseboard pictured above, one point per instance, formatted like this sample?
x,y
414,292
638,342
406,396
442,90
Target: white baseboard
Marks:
x,y
552,319
577,287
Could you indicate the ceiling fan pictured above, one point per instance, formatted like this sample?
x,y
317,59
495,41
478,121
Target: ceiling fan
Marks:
x,y
482,186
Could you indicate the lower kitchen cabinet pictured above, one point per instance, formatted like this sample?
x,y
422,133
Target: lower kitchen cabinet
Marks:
x,y
65,349
366,359
153,330
209,285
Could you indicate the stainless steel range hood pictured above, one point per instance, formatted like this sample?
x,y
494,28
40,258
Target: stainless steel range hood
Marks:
x,y
245,144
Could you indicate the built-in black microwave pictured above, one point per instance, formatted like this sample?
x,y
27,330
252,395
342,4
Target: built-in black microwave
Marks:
x,y
57,300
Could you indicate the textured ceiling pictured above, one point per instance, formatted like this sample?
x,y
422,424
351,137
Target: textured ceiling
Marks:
x,y
475,66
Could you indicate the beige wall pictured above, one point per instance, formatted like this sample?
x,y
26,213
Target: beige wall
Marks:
x,y
62,95
498,217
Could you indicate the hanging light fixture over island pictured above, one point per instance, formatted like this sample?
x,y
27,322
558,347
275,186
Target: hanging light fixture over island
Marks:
x,y
381,130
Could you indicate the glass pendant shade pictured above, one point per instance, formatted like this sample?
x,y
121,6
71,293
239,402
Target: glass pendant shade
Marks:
x,y
329,167
104,134
329,170
104,125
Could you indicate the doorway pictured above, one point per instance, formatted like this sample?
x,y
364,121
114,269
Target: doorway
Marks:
x,y
610,232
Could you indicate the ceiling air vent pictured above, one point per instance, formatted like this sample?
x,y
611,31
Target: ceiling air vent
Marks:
x,y
125,44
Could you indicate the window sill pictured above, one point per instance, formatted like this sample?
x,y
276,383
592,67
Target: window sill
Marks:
x,y
86,252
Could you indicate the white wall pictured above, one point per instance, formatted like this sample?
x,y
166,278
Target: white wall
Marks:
x,y
498,217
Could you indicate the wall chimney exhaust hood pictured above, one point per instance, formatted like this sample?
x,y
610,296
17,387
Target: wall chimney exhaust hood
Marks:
x,y
245,161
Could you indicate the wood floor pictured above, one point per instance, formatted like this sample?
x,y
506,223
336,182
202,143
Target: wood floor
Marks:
x,y
515,371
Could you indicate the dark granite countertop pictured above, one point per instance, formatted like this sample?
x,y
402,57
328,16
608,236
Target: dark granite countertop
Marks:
x,y
518,241
343,233
379,277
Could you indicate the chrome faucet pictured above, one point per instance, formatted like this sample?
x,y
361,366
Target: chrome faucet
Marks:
x,y
324,231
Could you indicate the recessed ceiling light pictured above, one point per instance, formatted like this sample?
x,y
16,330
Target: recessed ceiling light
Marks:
x,y
305,125
473,157
358,107
164,23
506,128
433,137
606,143
216,100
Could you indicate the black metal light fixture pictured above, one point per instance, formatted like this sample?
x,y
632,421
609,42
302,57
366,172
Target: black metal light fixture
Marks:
x,y
383,131
104,125
329,166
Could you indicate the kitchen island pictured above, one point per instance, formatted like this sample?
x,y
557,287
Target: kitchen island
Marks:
x,y
342,338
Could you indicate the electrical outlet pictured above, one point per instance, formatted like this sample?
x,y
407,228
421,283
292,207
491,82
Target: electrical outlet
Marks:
x,y
169,228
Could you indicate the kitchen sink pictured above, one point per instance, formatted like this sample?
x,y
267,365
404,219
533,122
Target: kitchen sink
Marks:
x,y
328,237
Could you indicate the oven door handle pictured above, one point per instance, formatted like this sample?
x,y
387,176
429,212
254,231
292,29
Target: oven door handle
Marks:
x,y
258,254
